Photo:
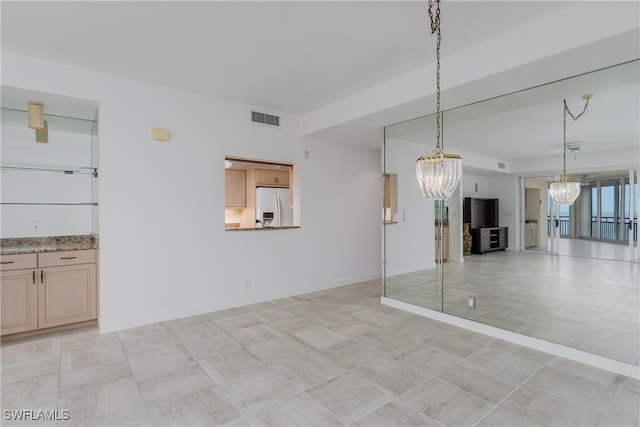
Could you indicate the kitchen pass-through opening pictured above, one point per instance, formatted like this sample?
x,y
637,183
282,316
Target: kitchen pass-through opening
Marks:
x,y
260,194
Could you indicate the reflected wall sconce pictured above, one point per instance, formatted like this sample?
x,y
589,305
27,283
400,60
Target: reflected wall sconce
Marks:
x,y
158,134
36,115
565,191
439,174
42,135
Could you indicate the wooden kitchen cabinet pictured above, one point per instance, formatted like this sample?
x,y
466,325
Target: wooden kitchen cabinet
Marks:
x,y
68,287
67,295
58,288
272,178
234,188
19,293
442,239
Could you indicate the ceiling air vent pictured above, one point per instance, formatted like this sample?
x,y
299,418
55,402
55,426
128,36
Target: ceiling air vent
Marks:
x,y
266,119
501,165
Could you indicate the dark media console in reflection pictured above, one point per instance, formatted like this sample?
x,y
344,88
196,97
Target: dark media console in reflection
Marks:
x,y
486,234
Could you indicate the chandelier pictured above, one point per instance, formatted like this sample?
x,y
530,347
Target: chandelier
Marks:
x,y
438,175
565,191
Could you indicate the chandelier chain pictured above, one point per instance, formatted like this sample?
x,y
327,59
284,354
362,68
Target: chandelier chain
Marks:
x,y
564,139
435,28
566,110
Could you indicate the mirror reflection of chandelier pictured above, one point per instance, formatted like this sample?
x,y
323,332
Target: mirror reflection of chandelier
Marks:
x,y
438,175
565,191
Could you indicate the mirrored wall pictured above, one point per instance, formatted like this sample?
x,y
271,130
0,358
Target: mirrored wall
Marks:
x,y
549,289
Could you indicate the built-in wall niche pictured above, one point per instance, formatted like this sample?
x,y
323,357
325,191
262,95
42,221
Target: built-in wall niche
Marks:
x,y
390,196
48,188
260,194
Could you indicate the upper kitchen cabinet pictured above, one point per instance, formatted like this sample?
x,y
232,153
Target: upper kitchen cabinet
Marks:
x,y
49,176
272,178
234,188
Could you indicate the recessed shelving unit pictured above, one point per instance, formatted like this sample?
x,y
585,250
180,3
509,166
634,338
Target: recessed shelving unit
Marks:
x,y
48,188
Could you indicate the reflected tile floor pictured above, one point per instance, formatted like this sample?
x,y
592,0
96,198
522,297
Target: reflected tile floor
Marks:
x,y
588,304
335,357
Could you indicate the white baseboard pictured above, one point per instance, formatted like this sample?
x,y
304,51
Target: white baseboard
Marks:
x,y
523,340
209,307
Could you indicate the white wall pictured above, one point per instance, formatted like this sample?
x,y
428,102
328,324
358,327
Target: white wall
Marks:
x,y
163,249
410,243
455,224
469,183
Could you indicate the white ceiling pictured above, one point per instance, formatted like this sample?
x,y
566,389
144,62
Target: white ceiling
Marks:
x,y
528,125
298,56
290,56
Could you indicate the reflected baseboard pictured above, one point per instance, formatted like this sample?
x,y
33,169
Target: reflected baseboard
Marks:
x,y
580,356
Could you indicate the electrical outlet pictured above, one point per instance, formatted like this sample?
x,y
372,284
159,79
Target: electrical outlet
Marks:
x,y
471,302
247,284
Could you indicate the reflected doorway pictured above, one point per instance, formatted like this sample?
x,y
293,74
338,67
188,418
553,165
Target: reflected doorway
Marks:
x,y
602,223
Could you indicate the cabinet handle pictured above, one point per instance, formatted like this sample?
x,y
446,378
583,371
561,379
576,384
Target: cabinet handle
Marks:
x,y
33,277
6,262
41,276
68,257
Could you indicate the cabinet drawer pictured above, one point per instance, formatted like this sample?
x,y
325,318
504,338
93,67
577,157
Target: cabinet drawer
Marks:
x,y
53,259
18,261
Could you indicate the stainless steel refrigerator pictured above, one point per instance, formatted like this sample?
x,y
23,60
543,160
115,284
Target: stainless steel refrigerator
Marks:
x,y
272,207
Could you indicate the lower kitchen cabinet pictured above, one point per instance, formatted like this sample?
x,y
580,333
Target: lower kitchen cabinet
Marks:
x,y
19,294
59,289
67,295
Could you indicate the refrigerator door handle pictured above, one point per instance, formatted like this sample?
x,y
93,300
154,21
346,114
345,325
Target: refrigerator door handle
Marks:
x,y
276,200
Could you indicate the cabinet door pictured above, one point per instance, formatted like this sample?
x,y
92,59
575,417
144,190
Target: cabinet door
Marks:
x,y
503,239
234,189
445,243
265,177
272,178
67,295
485,239
19,296
282,178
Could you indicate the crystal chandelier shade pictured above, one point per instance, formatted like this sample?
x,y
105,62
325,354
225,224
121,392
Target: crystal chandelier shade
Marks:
x,y
438,175
564,191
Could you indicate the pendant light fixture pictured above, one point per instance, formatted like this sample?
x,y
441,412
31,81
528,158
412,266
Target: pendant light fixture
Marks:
x,y
565,191
35,113
438,175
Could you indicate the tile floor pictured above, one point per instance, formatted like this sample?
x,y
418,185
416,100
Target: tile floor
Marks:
x,y
335,357
588,304
588,249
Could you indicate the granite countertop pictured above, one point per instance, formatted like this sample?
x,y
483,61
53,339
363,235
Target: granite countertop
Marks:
x,y
26,245
261,228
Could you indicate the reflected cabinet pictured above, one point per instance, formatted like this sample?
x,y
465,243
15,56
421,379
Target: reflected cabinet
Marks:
x,y
482,217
